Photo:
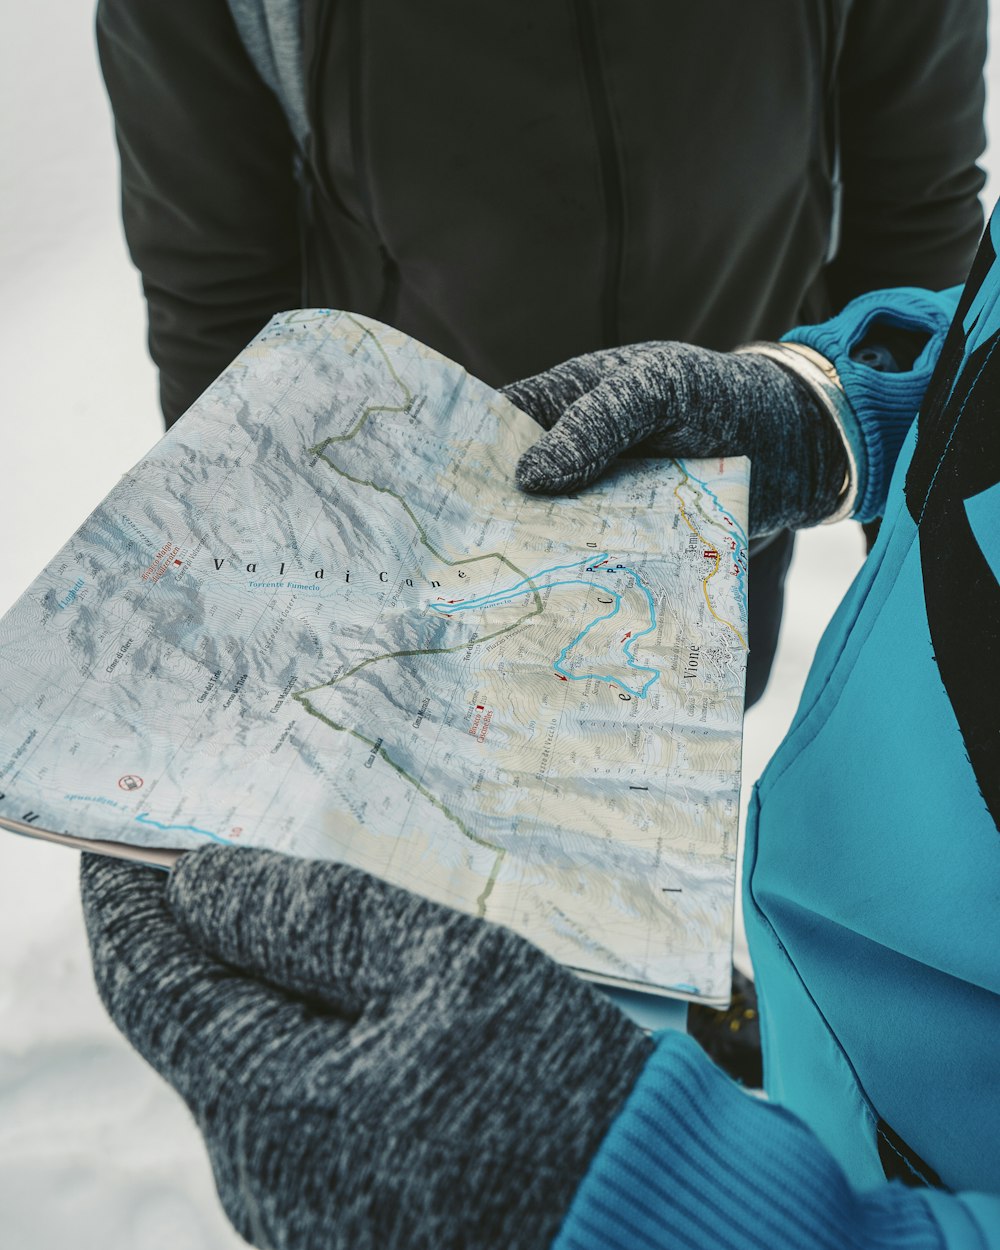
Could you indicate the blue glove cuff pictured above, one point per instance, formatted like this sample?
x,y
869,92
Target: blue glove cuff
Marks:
x,y
693,1160
883,405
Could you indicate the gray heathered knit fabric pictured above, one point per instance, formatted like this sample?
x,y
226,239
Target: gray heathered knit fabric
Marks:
x,y
670,399
368,1069
271,32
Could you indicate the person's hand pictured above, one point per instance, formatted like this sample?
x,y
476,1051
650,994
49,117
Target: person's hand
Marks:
x,y
368,1068
671,399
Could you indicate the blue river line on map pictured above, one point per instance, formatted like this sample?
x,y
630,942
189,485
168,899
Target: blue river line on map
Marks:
x,y
498,596
145,819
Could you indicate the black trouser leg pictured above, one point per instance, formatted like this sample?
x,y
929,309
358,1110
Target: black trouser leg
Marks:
x,y
768,566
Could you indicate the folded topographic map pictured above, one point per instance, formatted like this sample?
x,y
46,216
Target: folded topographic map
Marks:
x,y
320,617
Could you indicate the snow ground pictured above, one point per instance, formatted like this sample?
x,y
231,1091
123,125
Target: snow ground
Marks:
x,y
95,1151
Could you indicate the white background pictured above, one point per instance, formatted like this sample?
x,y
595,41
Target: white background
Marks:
x,y
95,1150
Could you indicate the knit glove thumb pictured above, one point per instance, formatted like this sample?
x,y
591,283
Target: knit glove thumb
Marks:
x,y
368,1068
671,399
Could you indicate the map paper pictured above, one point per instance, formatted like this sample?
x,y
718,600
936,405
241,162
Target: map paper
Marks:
x,y
319,617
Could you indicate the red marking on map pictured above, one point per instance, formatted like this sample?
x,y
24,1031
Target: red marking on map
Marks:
x,y
129,782
710,553
480,724
161,562
628,635
561,677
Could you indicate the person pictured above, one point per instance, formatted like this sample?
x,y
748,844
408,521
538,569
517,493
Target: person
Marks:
x,y
370,1069
519,185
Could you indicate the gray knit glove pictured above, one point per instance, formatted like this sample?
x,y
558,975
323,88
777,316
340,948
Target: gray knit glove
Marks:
x,y
368,1069
671,399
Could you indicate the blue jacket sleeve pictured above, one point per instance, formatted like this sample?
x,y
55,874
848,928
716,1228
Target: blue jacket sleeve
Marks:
x,y
883,405
693,1160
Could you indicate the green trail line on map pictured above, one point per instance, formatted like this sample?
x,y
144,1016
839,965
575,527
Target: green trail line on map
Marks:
x,y
301,696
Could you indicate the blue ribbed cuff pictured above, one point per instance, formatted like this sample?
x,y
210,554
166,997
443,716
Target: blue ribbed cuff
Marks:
x,y
883,404
693,1160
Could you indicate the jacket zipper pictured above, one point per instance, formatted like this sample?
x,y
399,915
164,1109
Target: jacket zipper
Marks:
x,y
312,171
315,168
831,112
611,173
390,270
304,181
309,168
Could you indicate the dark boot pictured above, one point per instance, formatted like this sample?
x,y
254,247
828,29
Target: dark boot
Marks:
x,y
732,1037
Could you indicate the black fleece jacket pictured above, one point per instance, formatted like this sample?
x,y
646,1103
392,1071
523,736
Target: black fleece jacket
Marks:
x,y
517,183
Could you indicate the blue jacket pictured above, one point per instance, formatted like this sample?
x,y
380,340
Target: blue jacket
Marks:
x,y
872,880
